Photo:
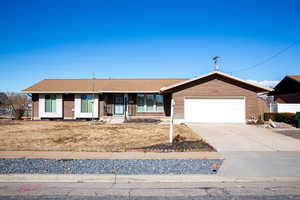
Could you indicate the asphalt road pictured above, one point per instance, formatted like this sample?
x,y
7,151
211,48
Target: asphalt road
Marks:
x,y
147,191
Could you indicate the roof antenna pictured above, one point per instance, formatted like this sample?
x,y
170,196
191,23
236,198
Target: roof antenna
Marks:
x,y
216,61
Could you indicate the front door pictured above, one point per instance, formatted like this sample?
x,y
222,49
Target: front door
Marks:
x,y
119,104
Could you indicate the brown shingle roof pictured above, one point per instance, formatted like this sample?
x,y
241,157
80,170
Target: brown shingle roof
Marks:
x,y
295,77
101,85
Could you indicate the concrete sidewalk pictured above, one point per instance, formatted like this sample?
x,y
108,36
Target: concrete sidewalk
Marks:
x,y
109,155
112,178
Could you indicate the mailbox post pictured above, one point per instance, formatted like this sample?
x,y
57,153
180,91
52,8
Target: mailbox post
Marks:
x,y
171,121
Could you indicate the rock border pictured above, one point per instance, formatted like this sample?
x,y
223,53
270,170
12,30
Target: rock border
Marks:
x,y
109,166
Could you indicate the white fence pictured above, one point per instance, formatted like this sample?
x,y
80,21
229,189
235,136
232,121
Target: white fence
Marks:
x,y
285,107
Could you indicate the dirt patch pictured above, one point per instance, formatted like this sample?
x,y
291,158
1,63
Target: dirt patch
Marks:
x,y
191,146
8,122
144,120
81,136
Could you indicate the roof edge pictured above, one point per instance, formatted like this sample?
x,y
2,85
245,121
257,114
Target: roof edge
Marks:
x,y
287,77
293,77
84,92
211,73
115,79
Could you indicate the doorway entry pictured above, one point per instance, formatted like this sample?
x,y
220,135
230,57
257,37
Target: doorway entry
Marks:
x,y
119,104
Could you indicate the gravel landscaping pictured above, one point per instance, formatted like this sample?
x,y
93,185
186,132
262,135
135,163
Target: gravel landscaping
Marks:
x,y
109,166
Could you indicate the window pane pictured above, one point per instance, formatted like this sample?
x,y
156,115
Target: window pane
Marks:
x,y
53,103
90,105
140,103
50,103
86,103
47,103
150,102
83,105
159,103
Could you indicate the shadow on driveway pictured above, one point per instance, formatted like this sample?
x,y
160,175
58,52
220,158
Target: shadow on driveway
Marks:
x,y
295,133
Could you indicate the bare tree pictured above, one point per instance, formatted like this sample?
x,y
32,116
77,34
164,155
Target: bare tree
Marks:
x,y
3,99
3,104
17,103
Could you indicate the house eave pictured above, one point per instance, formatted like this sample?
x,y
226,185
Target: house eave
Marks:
x,y
84,92
212,73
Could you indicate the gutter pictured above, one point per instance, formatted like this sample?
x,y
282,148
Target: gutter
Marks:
x,y
84,92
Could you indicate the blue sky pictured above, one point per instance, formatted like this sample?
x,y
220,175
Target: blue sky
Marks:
x,y
145,39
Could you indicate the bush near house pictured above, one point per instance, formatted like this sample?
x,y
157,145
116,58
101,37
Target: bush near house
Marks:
x,y
289,118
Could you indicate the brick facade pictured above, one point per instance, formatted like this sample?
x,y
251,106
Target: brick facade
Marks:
x,y
68,106
35,106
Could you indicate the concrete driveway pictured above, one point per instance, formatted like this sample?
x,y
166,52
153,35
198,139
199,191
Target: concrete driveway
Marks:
x,y
242,137
250,151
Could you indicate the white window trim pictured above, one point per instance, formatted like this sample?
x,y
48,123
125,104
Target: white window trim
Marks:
x,y
79,114
57,114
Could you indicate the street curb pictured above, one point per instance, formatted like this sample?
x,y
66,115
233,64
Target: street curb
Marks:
x,y
111,178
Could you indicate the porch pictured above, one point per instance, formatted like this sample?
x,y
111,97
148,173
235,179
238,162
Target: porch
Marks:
x,y
102,106
134,105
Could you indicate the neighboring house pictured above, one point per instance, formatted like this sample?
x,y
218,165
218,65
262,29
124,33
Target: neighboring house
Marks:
x,y
214,97
286,95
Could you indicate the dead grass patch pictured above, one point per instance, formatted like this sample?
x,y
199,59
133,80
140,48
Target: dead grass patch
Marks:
x,y
80,136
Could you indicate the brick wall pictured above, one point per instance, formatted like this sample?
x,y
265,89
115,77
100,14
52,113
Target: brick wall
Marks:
x,y
68,106
35,106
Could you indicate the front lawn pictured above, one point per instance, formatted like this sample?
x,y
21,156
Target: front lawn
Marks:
x,y
81,136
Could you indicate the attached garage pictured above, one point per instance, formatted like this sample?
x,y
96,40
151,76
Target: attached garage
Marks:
x,y
216,98
214,109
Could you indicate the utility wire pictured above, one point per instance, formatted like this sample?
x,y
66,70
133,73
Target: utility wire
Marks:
x,y
269,58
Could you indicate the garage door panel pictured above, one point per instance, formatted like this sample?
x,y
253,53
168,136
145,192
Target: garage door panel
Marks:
x,y
215,110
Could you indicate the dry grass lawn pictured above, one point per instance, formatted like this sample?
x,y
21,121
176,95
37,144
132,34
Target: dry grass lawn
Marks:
x,y
80,136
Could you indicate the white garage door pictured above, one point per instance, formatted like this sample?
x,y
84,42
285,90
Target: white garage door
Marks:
x,y
220,110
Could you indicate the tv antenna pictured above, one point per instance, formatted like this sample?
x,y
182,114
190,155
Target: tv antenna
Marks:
x,y
216,62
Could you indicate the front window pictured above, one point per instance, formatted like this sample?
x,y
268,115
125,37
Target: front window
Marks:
x,y
141,103
50,103
159,99
149,103
87,103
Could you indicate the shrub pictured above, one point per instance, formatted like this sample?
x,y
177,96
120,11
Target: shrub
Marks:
x,y
289,118
18,113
